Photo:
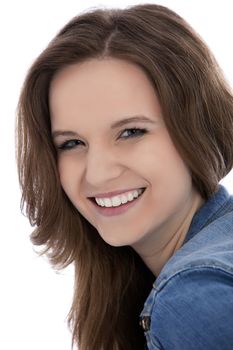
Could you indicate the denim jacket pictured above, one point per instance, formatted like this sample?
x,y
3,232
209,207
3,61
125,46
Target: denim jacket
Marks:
x,y
190,306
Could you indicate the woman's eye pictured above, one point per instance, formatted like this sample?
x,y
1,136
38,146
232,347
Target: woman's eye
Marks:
x,y
133,132
70,144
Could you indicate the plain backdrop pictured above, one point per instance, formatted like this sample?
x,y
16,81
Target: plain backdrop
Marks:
x,y
35,299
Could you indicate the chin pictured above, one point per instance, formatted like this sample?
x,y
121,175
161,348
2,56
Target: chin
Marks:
x,y
116,241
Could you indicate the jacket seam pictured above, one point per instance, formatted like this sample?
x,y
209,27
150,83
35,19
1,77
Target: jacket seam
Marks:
x,y
164,282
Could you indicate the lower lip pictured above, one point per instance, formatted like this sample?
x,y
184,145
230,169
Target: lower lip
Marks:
x,y
112,211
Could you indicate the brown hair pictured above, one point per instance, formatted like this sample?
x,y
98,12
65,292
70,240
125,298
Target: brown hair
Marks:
x,y
111,284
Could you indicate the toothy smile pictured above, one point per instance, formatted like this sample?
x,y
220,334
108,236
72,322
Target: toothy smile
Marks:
x,y
119,199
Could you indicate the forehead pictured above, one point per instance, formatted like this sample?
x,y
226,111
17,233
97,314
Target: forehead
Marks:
x,y
103,88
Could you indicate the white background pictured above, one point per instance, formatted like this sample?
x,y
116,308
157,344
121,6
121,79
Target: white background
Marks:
x,y
35,299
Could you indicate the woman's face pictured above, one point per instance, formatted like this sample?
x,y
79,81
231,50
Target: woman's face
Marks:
x,y
112,142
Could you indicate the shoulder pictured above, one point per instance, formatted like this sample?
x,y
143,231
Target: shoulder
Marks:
x,y
212,246
194,310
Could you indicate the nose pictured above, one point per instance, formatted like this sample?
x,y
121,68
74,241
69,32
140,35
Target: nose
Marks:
x,y
102,167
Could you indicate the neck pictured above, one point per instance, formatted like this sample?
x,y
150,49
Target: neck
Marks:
x,y
163,244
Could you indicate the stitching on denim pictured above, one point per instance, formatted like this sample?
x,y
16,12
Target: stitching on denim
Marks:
x,y
165,281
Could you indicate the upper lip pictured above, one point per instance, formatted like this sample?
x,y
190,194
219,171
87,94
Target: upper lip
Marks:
x,y
113,193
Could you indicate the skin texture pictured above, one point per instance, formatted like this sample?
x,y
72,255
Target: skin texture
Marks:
x,y
86,99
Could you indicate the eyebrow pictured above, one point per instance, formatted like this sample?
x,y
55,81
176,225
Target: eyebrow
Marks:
x,y
115,125
136,118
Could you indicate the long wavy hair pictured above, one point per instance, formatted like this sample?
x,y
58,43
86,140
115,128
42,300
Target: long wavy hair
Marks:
x,y
111,284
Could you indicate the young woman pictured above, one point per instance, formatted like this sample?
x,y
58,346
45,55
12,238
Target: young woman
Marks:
x,y
124,132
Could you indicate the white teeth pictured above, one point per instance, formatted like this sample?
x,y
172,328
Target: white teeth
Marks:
x,y
107,202
118,200
123,199
101,202
130,196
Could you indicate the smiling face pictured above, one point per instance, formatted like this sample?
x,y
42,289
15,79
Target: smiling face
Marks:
x,y
110,135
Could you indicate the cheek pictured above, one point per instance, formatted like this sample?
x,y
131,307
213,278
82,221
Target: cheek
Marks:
x,y
159,152
68,174
175,180
170,160
163,166
176,167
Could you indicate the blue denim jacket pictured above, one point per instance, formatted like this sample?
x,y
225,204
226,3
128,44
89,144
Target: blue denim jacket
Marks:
x,y
190,306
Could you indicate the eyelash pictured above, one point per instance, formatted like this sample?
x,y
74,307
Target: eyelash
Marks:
x,y
137,132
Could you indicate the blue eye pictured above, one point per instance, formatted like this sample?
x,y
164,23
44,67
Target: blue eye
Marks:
x,y
133,132
69,144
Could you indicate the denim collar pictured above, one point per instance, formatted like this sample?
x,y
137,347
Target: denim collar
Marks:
x,y
208,212
212,209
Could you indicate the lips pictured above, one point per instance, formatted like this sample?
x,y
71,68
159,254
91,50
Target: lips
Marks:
x,y
114,193
119,199
113,211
